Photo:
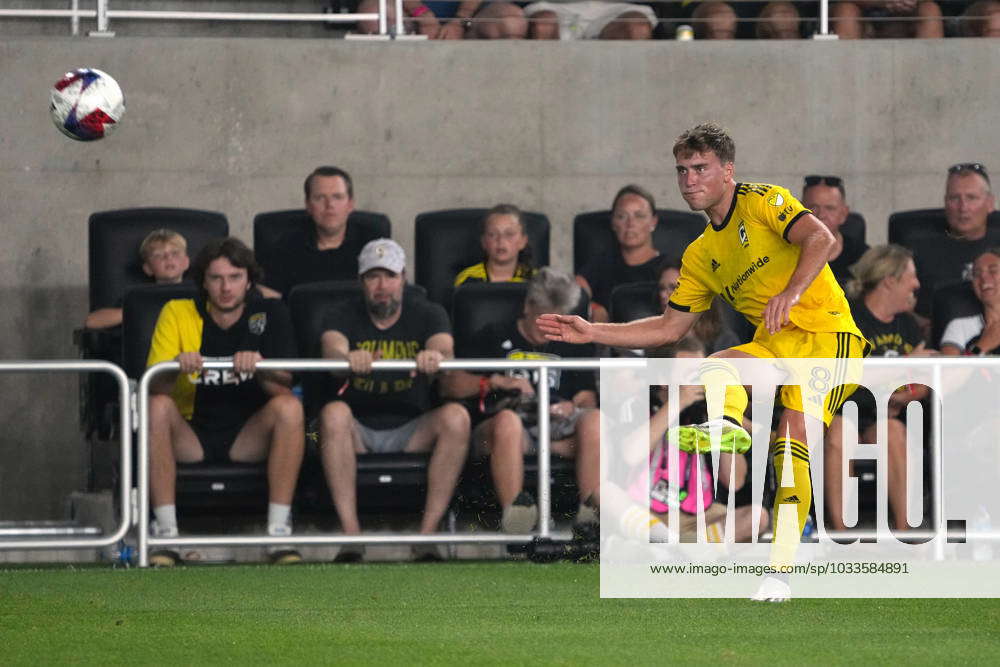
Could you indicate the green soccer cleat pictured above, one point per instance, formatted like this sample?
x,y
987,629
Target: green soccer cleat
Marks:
x,y
697,438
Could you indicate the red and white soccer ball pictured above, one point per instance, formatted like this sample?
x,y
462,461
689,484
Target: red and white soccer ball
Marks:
x,y
87,104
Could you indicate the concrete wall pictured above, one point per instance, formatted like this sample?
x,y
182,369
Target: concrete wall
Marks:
x,y
235,124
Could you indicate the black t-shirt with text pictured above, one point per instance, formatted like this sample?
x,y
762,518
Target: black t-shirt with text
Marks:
x,y
223,397
504,341
943,260
888,339
385,400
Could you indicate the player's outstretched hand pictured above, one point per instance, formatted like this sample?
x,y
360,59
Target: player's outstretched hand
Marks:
x,y
565,328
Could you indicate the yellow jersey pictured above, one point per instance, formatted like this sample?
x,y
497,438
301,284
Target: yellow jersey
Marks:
x,y
748,259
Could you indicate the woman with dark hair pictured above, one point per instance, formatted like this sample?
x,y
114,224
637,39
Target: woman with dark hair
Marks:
x,y
710,328
505,244
978,334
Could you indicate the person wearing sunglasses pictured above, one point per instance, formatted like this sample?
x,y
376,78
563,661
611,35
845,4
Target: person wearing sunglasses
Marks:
x,y
945,260
825,197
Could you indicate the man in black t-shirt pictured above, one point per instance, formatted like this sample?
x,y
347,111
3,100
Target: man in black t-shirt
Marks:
x,y
636,259
243,415
946,260
389,411
826,197
326,249
506,436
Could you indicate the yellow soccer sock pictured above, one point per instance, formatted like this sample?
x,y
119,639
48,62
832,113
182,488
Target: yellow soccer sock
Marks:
x,y
716,373
792,499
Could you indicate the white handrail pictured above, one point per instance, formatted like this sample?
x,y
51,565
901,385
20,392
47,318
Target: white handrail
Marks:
x,y
125,434
544,492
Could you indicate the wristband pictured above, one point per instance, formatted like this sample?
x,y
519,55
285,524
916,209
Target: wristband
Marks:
x,y
484,388
419,11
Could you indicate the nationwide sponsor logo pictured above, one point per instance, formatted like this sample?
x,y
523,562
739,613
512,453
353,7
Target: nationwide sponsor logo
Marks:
x,y
715,265
734,287
744,238
257,323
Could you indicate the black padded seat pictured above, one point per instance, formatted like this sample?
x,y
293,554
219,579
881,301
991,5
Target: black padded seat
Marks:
x,y
447,241
592,235
908,227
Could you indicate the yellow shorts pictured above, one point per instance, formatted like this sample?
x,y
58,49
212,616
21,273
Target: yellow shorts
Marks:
x,y
825,385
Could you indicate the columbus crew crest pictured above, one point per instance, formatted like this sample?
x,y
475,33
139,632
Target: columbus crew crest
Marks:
x,y
257,323
744,239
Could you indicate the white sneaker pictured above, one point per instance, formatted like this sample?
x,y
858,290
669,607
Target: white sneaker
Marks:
x,y
773,589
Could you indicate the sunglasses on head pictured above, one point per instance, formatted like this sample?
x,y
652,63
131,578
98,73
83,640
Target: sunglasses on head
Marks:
x,y
832,181
969,166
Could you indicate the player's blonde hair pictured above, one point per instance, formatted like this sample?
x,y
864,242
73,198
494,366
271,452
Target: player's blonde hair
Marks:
x,y
706,137
161,237
878,263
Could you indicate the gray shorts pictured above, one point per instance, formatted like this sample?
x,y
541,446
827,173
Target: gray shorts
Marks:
x,y
560,429
387,441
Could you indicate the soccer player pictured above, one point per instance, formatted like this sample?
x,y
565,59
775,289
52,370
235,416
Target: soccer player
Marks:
x,y
765,254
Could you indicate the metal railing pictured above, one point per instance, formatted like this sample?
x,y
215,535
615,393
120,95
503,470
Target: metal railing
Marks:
x,y
145,541
103,14
41,537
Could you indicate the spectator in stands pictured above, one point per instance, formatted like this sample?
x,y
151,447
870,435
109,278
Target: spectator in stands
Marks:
x,y
243,415
636,259
885,289
778,20
328,249
468,19
714,20
589,19
388,412
826,198
981,19
944,260
164,260
895,19
505,244
511,432
710,329
978,334
732,470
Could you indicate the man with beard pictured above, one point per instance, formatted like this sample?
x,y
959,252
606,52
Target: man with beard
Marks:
x,y
244,415
388,412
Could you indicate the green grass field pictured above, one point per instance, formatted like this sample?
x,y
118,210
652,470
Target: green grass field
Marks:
x,y
453,613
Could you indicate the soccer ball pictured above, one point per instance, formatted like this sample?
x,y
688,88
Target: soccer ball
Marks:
x,y
86,104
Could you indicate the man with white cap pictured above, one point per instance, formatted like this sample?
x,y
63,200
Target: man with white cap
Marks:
x,y
389,411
